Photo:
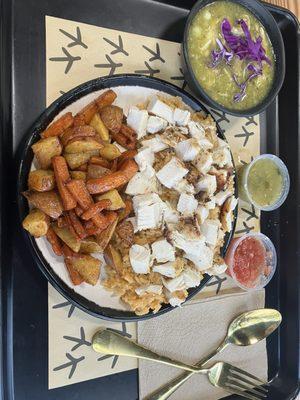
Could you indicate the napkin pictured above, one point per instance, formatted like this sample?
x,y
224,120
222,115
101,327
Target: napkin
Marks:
x,y
189,333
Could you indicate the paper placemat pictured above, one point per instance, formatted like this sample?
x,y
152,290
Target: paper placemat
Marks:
x,y
71,357
75,53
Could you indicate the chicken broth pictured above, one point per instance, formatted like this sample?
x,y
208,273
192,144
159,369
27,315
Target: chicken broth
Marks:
x,y
231,55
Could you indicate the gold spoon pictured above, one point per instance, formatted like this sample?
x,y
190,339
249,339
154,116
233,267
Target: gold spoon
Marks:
x,y
246,329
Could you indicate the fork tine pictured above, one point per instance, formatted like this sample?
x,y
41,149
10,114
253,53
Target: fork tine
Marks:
x,y
244,373
239,377
243,386
233,390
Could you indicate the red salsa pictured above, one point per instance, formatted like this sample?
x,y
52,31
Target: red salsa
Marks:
x,y
250,261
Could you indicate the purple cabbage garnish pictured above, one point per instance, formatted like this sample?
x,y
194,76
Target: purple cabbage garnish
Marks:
x,y
254,72
219,55
243,47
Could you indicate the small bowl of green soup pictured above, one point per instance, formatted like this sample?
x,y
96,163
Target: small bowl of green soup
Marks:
x,y
265,182
233,55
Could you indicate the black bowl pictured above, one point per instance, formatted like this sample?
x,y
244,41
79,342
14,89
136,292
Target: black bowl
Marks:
x,y
26,160
270,25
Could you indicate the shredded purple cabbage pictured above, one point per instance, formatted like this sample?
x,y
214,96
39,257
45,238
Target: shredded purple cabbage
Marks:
x,y
245,48
222,54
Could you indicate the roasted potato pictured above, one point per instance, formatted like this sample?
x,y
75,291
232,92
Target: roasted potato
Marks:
x,y
99,127
77,132
45,149
125,212
75,277
74,160
112,117
96,171
48,202
67,237
87,266
113,258
125,232
110,152
78,175
36,223
89,245
104,237
82,145
116,200
41,180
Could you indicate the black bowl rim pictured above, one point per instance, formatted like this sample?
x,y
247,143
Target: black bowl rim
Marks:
x,y
279,50
40,124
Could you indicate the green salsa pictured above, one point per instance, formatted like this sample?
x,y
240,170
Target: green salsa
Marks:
x,y
204,35
265,182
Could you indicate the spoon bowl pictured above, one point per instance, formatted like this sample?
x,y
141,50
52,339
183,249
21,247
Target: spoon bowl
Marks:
x,y
253,326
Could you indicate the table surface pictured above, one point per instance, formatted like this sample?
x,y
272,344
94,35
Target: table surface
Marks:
x,y
292,5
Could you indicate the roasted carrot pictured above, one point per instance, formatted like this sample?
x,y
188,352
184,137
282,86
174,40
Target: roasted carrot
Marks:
x,y
114,165
88,112
113,180
77,132
111,216
99,161
80,193
59,126
95,209
128,132
77,225
67,251
94,230
129,168
124,141
88,224
106,182
106,99
75,277
62,175
79,120
100,220
71,227
127,155
55,242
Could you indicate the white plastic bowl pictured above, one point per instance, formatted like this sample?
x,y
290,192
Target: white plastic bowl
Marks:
x,y
271,260
243,182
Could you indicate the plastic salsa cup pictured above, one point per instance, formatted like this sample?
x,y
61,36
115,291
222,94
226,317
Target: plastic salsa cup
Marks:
x,y
251,261
243,176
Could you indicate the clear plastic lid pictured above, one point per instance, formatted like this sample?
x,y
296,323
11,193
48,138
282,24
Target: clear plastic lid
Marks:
x,y
268,270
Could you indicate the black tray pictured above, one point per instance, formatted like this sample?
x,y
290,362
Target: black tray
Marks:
x,y
24,346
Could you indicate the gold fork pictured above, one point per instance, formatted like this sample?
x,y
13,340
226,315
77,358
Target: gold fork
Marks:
x,y
233,380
